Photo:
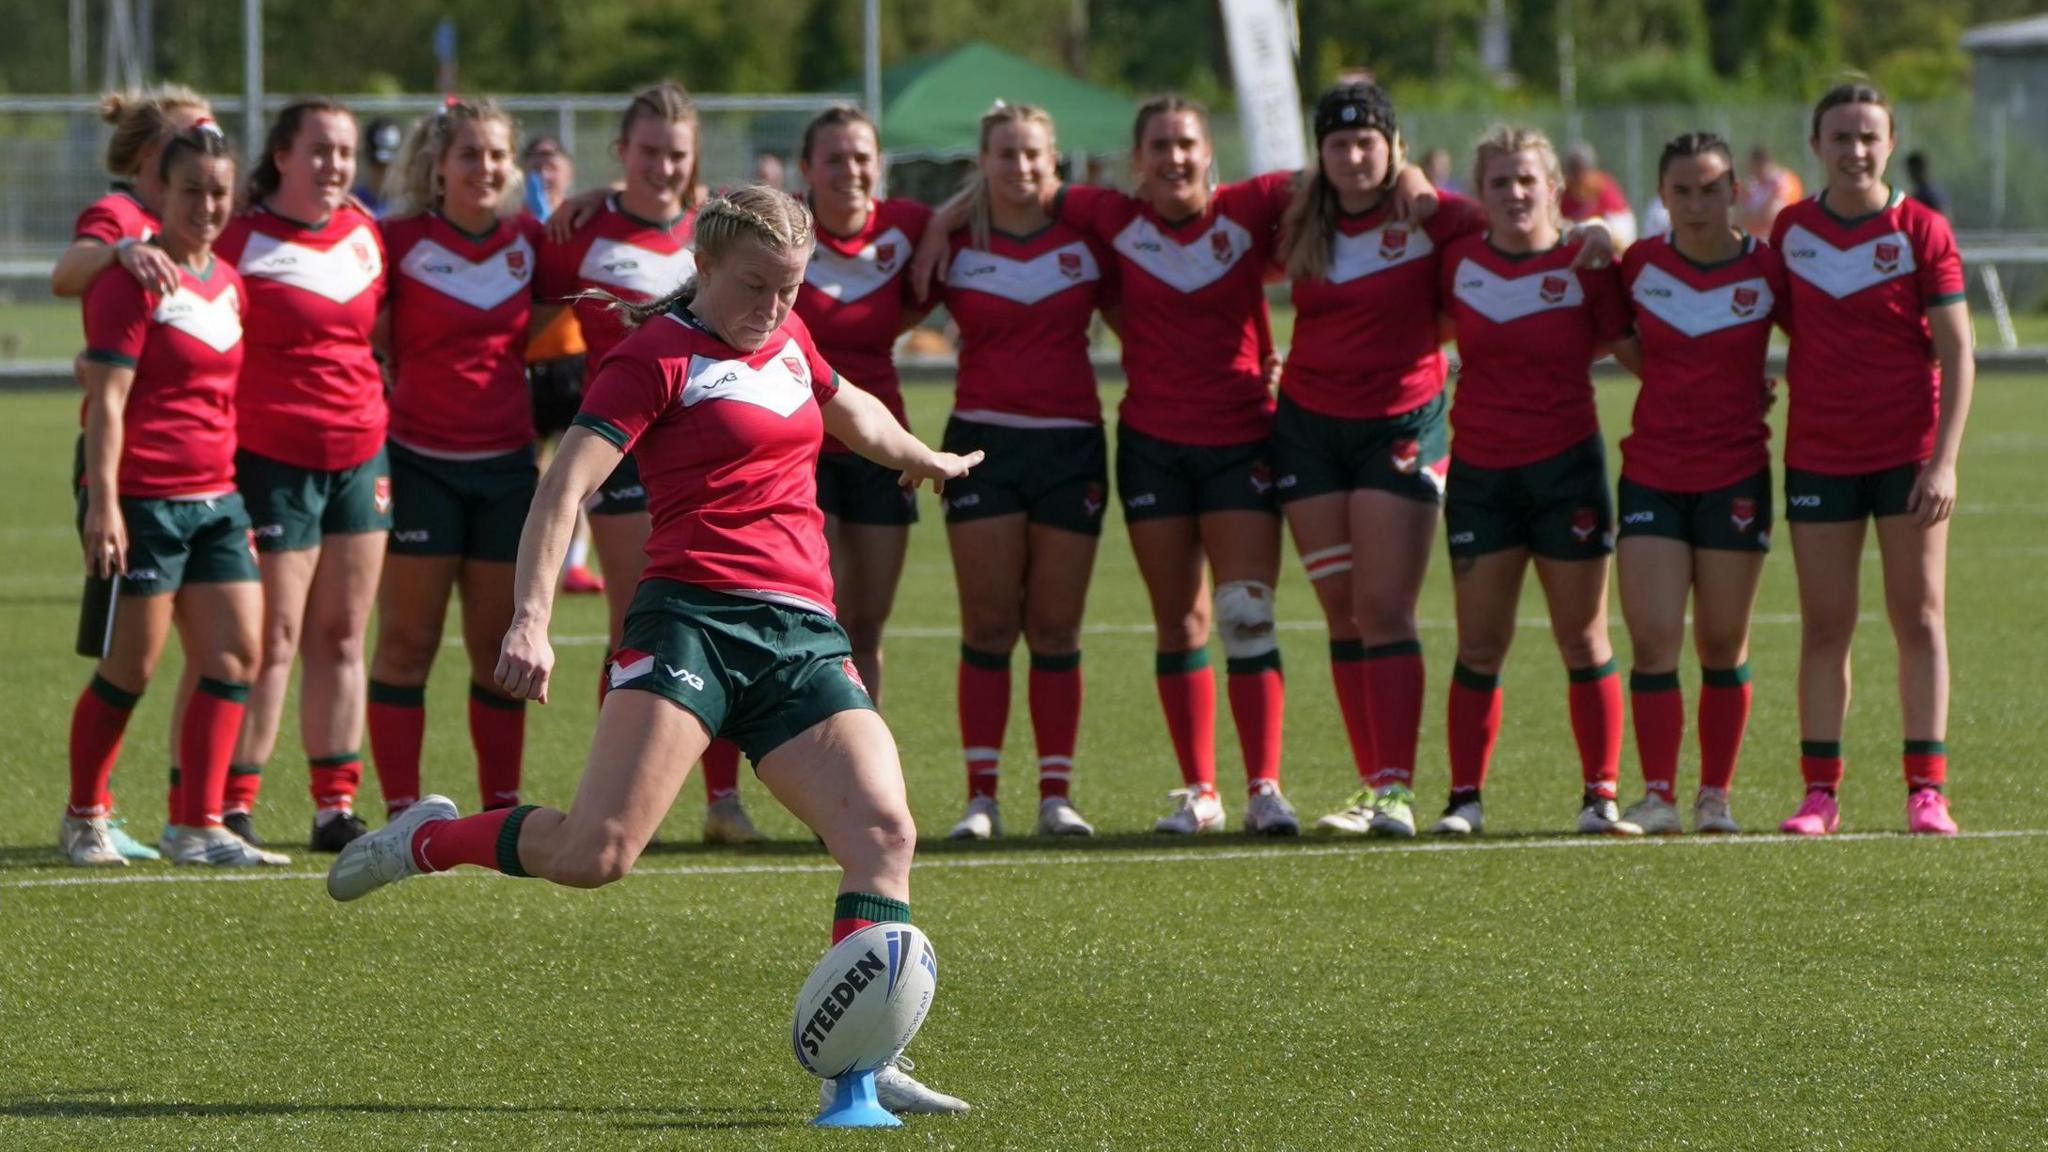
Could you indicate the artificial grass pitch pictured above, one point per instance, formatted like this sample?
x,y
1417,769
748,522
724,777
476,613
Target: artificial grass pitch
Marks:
x,y
1530,990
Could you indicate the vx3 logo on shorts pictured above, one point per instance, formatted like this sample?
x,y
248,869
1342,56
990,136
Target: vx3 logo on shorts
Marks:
x,y
684,674
1808,500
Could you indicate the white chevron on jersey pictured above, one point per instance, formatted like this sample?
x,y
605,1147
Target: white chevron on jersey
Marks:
x,y
782,385
617,264
1389,246
216,323
483,286
340,273
1502,299
1843,272
1188,267
1698,311
850,278
1025,281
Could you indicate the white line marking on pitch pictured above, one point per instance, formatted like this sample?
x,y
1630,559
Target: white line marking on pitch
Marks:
x,y
950,862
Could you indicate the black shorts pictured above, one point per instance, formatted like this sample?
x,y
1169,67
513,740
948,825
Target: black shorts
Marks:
x,y
1405,454
1818,498
1735,518
1559,508
470,508
1053,476
557,390
621,493
857,490
754,672
1158,479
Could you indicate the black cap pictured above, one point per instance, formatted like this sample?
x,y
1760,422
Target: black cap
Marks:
x,y
1355,106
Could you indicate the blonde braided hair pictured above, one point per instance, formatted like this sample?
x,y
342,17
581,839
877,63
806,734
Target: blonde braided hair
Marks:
x,y
768,216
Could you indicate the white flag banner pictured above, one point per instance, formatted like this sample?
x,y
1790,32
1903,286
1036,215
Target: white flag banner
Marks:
x,y
1261,35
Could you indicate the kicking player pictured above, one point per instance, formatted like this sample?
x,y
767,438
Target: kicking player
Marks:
x,y
1880,378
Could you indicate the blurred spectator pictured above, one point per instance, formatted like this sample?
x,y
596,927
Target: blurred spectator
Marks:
x,y
1590,194
545,159
1436,164
1656,218
1766,190
1925,190
768,170
381,139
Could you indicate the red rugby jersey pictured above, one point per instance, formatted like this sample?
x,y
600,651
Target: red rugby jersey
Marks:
x,y
1528,327
1023,306
459,310
728,446
178,430
311,394
1365,337
616,252
115,217
1865,387
856,300
1193,304
1704,331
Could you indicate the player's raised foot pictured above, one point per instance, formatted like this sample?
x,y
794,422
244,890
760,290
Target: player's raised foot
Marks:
x,y
1655,815
1353,819
1462,816
1818,815
84,840
1927,813
384,856
981,821
1393,812
1267,812
215,847
1601,816
244,825
726,822
1196,810
1710,815
333,831
1058,817
128,846
897,1091
581,581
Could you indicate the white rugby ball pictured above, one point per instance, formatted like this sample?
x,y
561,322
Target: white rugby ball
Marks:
x,y
864,1000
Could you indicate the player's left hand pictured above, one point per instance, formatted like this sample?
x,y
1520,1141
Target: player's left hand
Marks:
x,y
525,661
1934,493
941,467
1415,198
1273,366
1596,248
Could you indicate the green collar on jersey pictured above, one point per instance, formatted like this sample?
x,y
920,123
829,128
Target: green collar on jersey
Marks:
x,y
476,237
619,206
1890,202
1531,254
294,221
1742,249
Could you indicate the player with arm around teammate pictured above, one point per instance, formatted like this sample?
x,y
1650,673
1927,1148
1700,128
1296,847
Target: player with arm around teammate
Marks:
x,y
1360,442
1022,287
731,632
159,516
1695,490
1528,475
1880,376
113,229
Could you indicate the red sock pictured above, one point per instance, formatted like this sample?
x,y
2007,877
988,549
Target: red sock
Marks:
x,y
721,769
487,840
853,911
1474,726
1926,764
1723,716
1055,720
497,730
1349,677
1187,693
98,721
984,706
244,782
335,780
1258,702
1820,764
398,727
1394,685
1596,726
1658,705
213,720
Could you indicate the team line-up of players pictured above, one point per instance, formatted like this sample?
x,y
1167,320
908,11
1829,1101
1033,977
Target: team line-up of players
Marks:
x,y
269,365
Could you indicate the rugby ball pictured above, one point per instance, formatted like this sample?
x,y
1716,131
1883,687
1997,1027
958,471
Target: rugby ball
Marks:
x,y
864,1000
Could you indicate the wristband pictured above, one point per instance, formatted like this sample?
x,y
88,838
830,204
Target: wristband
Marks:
x,y
124,244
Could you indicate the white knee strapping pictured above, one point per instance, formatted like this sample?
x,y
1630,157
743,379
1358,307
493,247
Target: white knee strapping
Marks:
x,y
1244,614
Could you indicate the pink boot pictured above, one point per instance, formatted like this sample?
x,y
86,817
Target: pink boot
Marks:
x,y
1927,813
1818,816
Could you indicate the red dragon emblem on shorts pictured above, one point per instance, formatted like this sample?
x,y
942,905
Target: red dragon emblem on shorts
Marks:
x,y
382,495
853,673
1407,456
1585,523
1742,513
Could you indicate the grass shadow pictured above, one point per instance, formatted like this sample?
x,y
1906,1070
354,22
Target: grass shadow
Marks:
x,y
102,1104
